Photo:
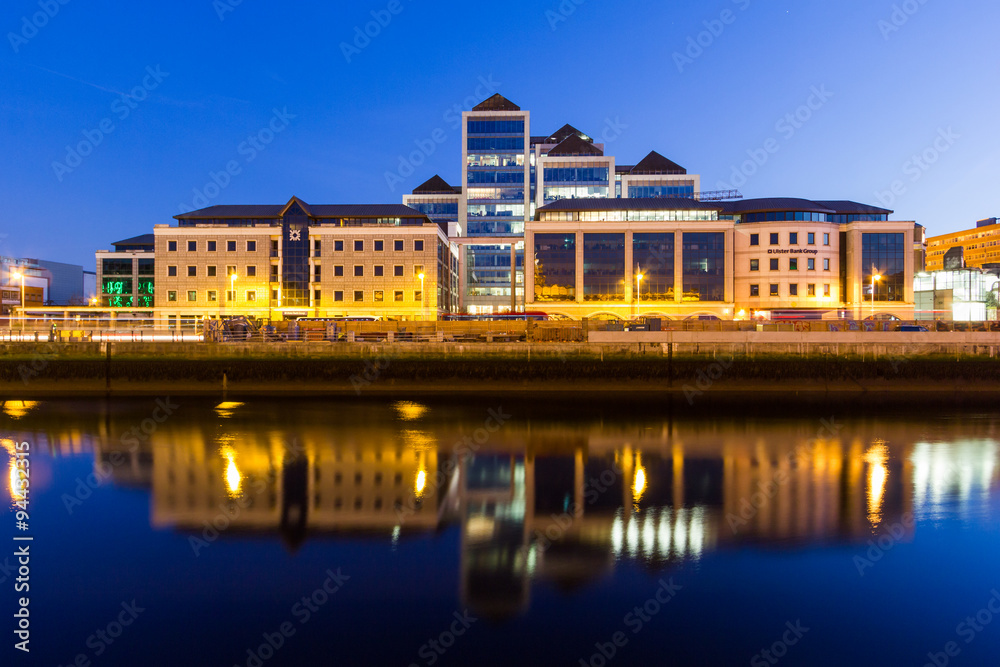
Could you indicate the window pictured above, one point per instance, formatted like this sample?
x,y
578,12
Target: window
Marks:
x,y
317,273
252,271
192,272
192,295
338,246
338,271
774,289
826,290
755,290
811,238
397,295
826,239
192,246
774,239
317,296
171,296
231,246
418,269
359,271
172,246
230,296
793,290
418,245
379,296
398,270
793,238
811,264
211,246
359,296
338,296
774,265
213,296
755,239
379,245
811,289
251,295
397,245
359,246
251,246
755,265
379,271
171,271
826,264
274,273
418,296
210,271
793,264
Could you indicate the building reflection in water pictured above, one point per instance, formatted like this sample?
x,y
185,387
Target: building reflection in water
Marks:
x,y
558,503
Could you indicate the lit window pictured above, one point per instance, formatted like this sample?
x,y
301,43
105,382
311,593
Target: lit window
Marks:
x,y
755,290
774,289
192,295
755,265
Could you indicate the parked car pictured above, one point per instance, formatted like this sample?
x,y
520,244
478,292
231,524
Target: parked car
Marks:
x,y
911,327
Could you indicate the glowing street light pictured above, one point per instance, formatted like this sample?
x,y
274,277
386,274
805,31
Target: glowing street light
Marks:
x,y
638,293
875,277
423,298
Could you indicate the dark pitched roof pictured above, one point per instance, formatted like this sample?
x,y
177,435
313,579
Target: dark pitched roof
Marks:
x,y
603,204
845,207
654,163
774,204
574,145
433,186
624,168
564,133
317,211
496,103
142,239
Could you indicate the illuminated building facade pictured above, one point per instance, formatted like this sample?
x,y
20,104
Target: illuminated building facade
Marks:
x,y
980,246
126,275
680,258
297,260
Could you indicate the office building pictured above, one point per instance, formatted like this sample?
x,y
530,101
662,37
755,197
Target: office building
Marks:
x,y
126,274
980,246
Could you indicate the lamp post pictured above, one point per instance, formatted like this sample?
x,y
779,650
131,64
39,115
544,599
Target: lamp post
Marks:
x,y
21,276
638,293
232,286
423,301
875,278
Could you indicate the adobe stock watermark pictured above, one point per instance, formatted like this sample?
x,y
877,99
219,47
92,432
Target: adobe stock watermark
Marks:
x,y
426,147
434,649
381,18
138,434
223,7
918,165
121,109
698,44
779,649
881,545
103,638
302,611
31,25
248,150
562,13
750,506
706,378
787,126
900,16
968,629
635,620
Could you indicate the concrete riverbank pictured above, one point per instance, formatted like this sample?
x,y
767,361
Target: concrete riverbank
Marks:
x,y
848,362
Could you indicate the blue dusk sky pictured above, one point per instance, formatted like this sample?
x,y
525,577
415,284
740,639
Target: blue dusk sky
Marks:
x,y
117,116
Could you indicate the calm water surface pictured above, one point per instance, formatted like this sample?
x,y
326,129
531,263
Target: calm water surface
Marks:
x,y
478,531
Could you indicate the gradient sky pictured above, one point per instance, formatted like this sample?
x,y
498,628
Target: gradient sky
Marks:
x,y
894,94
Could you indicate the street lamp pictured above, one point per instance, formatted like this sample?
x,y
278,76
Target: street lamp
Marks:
x,y
875,278
423,298
232,286
21,276
638,293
